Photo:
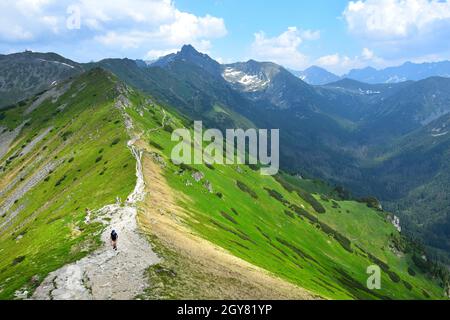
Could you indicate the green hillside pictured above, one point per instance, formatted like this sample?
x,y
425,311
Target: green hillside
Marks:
x,y
69,156
274,224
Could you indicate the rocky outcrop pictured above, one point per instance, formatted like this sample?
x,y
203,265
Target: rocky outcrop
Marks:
x,y
208,186
22,190
7,137
198,176
30,146
54,94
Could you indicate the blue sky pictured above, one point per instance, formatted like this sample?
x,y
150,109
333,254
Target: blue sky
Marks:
x,y
336,34
245,18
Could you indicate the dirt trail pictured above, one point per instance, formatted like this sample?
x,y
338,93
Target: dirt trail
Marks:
x,y
106,274
206,271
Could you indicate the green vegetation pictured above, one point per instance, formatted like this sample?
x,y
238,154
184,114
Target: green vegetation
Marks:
x,y
49,229
324,246
315,240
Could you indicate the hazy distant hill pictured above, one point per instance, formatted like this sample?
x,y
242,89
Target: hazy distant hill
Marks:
x,y
407,71
316,76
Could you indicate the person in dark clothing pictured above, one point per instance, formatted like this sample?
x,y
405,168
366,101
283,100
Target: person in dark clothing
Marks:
x,y
114,237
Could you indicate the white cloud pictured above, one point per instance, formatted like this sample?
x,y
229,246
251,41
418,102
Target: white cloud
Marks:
x,y
401,27
367,54
340,64
155,54
329,60
284,48
128,27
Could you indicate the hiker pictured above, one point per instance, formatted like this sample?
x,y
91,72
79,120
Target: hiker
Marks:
x,y
114,237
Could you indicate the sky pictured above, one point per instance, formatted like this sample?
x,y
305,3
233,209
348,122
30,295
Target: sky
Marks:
x,y
338,35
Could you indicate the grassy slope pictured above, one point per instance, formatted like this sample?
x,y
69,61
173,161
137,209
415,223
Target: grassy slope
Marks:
x,y
49,232
258,230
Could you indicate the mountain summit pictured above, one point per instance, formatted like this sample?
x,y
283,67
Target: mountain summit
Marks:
x,y
189,54
316,76
24,74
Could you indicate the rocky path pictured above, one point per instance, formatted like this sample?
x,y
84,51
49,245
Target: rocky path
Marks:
x,y
106,274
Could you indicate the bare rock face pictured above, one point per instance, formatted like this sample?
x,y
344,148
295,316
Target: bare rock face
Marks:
x,y
198,176
158,159
22,190
7,137
208,186
54,94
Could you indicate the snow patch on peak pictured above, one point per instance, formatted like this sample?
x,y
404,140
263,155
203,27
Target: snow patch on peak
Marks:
x,y
248,82
396,79
368,92
57,62
435,135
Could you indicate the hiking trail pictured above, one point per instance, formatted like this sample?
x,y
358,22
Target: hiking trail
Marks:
x,y
106,274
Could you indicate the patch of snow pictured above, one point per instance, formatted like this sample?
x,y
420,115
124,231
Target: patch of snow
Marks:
x,y
250,83
57,62
396,79
439,134
368,92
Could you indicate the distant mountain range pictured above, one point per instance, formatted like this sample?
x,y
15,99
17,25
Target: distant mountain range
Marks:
x,y
407,71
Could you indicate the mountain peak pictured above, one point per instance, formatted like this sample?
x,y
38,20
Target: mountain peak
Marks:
x,y
365,69
315,68
316,75
188,48
189,54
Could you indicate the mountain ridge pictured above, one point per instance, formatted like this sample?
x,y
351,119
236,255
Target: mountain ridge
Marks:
x,y
27,73
408,71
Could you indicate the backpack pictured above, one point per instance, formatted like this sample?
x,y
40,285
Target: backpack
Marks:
x,y
113,235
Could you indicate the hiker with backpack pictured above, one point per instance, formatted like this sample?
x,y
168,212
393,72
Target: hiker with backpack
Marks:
x,y
114,237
